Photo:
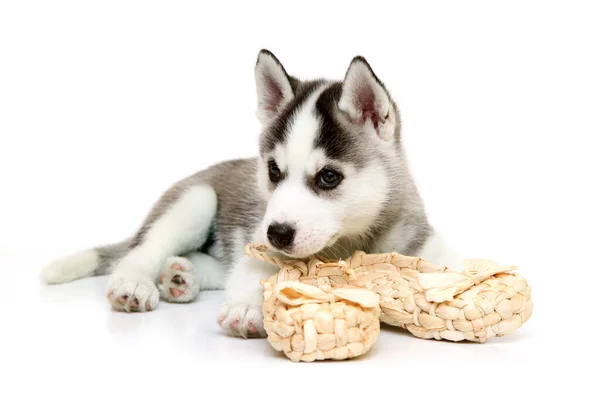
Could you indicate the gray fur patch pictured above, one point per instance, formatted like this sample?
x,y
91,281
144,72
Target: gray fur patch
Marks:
x,y
239,205
109,255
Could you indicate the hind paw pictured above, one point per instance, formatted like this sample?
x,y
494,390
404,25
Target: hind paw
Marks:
x,y
132,295
178,282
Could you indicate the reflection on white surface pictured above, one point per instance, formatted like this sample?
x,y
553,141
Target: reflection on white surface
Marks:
x,y
68,340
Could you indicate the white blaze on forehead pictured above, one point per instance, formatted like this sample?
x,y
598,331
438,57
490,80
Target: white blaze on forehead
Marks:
x,y
301,136
293,202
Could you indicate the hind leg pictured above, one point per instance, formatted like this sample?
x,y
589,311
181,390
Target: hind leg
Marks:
x,y
182,278
178,224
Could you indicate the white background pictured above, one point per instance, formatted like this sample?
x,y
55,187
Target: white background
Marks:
x,y
104,104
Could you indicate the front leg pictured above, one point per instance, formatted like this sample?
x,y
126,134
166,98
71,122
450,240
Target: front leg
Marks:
x,y
172,228
241,314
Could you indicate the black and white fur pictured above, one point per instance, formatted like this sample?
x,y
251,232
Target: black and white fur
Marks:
x,y
313,133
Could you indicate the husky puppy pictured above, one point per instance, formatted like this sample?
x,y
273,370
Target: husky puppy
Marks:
x,y
331,177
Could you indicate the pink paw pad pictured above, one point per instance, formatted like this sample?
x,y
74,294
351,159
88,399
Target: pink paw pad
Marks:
x,y
252,329
177,282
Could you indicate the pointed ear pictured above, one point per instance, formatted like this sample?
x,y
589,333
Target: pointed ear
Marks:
x,y
366,101
273,86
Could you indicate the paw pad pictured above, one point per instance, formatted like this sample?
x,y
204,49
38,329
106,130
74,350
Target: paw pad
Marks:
x,y
178,281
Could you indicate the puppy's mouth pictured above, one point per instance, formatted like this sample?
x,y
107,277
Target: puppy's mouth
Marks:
x,y
306,251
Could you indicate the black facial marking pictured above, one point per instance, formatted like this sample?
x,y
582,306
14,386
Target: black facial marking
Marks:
x,y
338,143
277,131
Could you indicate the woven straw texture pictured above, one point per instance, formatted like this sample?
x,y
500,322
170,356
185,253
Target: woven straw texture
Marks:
x,y
483,301
310,313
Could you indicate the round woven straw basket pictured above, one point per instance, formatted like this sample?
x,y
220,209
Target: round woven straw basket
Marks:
x,y
311,313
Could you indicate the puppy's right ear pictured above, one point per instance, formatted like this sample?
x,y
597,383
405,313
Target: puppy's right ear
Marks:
x,y
273,86
366,101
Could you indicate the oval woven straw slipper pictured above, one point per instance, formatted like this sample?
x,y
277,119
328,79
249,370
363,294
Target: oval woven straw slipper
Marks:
x,y
483,301
318,309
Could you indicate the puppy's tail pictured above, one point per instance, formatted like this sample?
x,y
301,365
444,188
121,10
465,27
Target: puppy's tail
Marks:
x,y
90,262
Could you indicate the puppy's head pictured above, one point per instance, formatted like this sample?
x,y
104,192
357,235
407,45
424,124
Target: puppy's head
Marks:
x,y
325,155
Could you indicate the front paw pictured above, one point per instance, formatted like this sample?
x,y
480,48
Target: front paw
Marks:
x,y
242,320
132,294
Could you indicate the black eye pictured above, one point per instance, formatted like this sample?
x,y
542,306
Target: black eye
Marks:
x,y
274,172
328,178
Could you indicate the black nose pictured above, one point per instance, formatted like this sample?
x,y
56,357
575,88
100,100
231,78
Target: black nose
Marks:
x,y
280,235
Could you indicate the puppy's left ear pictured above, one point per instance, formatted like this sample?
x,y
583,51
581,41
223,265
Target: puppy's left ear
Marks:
x,y
273,86
366,102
